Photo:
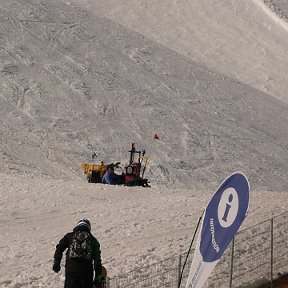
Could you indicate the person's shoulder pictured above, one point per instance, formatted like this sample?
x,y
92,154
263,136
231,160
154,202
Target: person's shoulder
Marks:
x,y
95,240
66,239
68,235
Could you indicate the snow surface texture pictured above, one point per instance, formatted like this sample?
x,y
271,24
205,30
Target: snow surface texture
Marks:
x,y
209,77
73,82
135,226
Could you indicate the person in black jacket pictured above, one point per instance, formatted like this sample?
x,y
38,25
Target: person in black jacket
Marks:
x,y
82,257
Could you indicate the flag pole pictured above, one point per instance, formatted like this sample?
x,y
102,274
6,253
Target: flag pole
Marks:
x,y
185,262
156,137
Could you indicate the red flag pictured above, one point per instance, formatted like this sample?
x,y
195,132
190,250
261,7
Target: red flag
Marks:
x,y
156,137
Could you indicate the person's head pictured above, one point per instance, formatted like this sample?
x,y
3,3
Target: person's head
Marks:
x,y
110,168
84,222
129,170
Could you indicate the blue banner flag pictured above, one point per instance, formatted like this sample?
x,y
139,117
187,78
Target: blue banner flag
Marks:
x,y
222,218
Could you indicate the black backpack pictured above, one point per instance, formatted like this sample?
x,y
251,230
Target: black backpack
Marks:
x,y
81,246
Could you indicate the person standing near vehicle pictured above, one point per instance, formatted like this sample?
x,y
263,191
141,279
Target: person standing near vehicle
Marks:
x,y
82,257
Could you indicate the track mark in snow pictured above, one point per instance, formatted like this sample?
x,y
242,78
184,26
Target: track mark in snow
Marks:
x,y
240,7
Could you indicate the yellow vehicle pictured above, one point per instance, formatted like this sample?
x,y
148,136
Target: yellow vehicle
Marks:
x,y
94,172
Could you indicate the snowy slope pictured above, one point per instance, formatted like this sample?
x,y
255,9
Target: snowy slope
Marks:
x,y
239,38
136,227
74,82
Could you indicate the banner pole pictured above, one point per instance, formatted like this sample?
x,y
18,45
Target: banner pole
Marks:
x,y
179,269
271,256
185,262
232,263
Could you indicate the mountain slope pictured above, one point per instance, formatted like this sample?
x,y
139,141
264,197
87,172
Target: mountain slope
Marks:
x,y
73,83
238,38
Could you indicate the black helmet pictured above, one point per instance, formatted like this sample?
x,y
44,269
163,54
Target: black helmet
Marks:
x,y
110,166
84,222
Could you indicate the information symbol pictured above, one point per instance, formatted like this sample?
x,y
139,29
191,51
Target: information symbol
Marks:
x,y
228,207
